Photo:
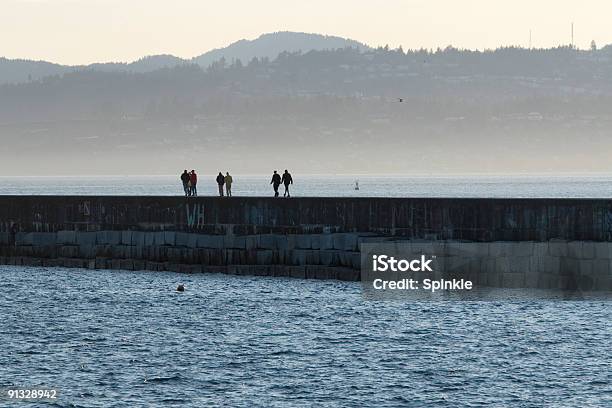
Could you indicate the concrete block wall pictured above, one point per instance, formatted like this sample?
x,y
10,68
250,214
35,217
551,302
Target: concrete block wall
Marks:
x,y
478,220
545,265
536,243
334,255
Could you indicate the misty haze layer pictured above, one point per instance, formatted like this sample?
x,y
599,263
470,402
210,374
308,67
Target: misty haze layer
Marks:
x,y
347,110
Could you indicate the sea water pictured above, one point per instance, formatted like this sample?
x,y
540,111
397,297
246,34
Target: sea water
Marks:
x,y
125,339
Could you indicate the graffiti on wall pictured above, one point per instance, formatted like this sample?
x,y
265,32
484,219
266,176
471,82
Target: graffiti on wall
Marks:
x,y
84,208
195,215
607,227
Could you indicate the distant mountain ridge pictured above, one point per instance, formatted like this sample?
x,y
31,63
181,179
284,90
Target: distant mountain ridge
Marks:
x,y
265,46
271,45
20,70
145,64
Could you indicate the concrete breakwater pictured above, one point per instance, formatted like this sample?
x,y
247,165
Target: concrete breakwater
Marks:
x,y
520,242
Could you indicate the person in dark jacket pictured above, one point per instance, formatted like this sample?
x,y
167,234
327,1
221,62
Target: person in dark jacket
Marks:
x,y
220,183
185,180
276,181
287,179
193,180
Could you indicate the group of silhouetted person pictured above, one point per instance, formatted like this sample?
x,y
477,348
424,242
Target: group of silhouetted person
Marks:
x,y
285,180
190,183
226,180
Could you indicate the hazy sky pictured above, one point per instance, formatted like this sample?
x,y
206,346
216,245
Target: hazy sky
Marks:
x,y
85,31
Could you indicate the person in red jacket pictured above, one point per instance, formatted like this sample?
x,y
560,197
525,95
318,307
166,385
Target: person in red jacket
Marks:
x,y
193,180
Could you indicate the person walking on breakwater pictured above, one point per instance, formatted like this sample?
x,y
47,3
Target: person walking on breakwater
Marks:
x,y
185,180
276,181
287,179
228,184
220,182
193,180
